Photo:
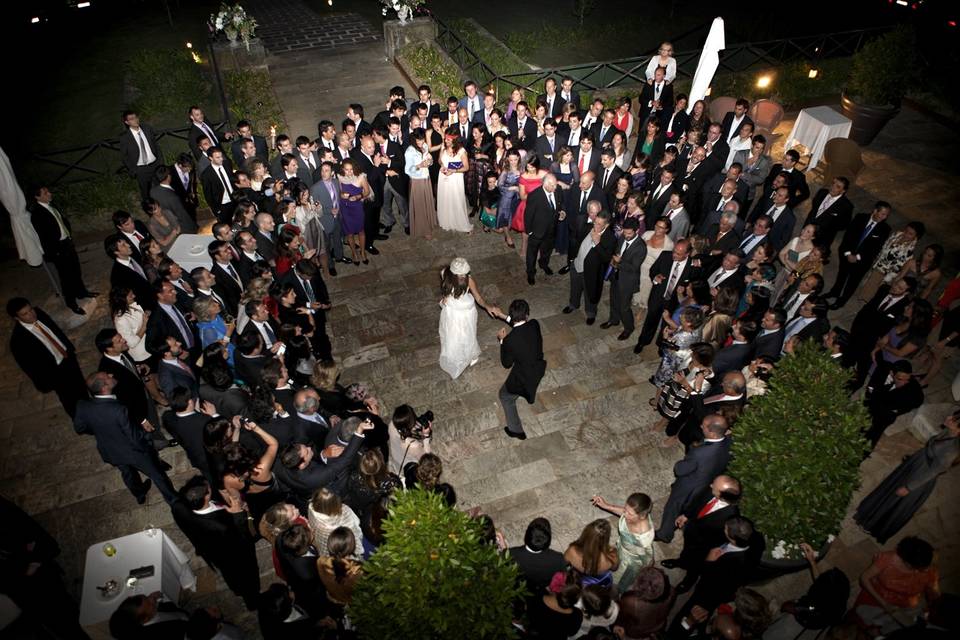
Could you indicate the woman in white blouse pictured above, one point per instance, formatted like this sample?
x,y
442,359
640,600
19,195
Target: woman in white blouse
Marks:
x,y
130,321
409,440
665,59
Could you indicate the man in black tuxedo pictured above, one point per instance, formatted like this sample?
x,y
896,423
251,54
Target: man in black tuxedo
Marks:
x,y
140,151
132,230
659,198
244,133
782,217
521,351
249,256
859,248
587,155
548,144
355,115
303,470
898,394
536,560
669,270
523,127
185,421
183,179
552,99
733,120
692,178
228,284
45,354
715,203
716,148
830,211
603,130
872,322
736,356
200,128
121,441
727,274
703,523
174,369
298,559
541,215
169,200
590,265
656,100
220,535
56,240
217,183
266,237
723,235
568,93
577,216
811,323
250,358
609,174
129,387
695,471
742,190
168,321
127,272
367,159
396,184
796,180
625,279
311,291
769,342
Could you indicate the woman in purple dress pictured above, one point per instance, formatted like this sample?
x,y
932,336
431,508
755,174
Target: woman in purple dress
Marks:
x,y
353,189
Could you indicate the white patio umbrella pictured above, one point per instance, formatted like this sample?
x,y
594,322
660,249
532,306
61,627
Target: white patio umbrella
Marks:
x,y
709,61
28,243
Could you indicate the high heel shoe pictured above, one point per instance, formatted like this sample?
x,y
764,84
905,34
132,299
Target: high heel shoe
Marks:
x,y
356,263
366,261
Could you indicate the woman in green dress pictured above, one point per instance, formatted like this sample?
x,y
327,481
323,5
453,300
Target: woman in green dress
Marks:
x,y
636,531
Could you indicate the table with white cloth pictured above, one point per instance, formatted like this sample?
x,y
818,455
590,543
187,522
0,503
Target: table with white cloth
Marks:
x,y
814,127
171,574
189,251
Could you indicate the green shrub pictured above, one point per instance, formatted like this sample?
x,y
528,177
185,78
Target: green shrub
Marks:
x,y
882,67
166,82
434,579
797,450
433,69
93,201
251,97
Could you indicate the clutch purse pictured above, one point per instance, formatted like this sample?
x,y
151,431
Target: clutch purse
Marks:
x,y
456,166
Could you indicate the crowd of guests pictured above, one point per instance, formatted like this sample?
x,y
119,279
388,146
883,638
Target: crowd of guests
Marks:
x,y
690,222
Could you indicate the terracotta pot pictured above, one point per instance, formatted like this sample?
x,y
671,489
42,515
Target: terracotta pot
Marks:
x,y
867,120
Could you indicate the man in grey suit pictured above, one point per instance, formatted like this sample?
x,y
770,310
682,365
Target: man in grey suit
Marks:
x,y
756,165
326,192
695,471
168,199
630,254
679,218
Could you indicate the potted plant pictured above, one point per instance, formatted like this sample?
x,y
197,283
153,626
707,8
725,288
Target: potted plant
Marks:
x,y
434,577
882,71
797,451
234,22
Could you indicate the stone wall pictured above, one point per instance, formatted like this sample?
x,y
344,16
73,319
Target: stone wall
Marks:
x,y
396,35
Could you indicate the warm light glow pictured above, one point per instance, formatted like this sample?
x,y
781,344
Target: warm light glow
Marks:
x,y
813,73
330,2
763,82
196,57
83,5
189,45
34,20
706,94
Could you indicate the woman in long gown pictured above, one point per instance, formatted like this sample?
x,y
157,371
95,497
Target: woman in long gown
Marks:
x,y
353,189
459,348
423,208
635,540
657,242
452,213
509,184
530,180
901,494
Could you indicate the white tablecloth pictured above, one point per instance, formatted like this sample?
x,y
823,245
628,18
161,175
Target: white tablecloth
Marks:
x,y
814,127
171,573
189,251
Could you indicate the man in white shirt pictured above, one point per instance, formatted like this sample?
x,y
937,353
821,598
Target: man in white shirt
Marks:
x,y
726,275
677,213
471,101
140,152
809,286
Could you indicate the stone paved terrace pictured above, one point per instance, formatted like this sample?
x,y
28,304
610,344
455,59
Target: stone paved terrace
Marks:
x,y
289,25
588,429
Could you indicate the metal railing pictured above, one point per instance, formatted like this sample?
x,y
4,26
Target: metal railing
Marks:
x,y
594,76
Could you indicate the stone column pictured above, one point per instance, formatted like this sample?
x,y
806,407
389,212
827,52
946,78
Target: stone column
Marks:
x,y
397,36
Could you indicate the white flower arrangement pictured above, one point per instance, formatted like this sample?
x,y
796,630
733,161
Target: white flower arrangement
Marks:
x,y
235,23
404,8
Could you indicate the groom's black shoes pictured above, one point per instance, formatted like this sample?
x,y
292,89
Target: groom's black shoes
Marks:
x,y
518,436
568,309
531,280
565,268
547,270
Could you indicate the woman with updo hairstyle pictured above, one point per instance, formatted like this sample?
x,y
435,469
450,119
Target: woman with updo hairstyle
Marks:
x,y
635,535
367,482
326,512
555,614
459,297
277,519
339,570
427,476
591,556
645,606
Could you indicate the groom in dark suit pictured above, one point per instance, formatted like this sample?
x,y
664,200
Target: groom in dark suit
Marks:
x,y
540,221
521,351
625,279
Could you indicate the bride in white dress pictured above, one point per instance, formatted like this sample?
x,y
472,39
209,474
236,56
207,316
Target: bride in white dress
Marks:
x,y
452,213
459,348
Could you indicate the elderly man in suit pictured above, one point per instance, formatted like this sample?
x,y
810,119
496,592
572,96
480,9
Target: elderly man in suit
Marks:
x,y
139,150
121,441
56,240
577,217
521,351
625,264
830,211
45,354
669,270
590,266
695,471
542,213
723,235
859,248
169,200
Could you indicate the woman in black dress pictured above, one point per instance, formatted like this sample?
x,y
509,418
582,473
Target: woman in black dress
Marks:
x,y
479,148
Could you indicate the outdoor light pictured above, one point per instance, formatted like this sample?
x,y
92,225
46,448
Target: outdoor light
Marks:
x,y
196,57
813,73
83,5
189,45
763,82
34,20
330,2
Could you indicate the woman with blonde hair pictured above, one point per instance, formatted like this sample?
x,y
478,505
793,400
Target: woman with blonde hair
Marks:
x,y
327,512
257,289
591,555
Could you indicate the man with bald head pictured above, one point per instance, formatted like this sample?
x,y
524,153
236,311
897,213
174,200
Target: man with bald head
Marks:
x,y
695,471
540,219
702,524
311,425
731,395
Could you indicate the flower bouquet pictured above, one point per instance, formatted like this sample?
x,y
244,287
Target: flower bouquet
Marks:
x,y
235,23
405,8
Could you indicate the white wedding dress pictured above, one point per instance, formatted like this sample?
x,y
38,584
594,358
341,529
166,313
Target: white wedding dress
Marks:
x,y
458,334
452,213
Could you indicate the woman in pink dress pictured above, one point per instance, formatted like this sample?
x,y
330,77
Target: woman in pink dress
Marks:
x,y
530,180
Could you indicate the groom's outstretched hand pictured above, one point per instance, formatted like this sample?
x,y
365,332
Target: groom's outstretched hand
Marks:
x,y
502,333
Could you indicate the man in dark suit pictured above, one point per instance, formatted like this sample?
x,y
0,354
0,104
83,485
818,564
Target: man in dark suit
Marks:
x,y
56,240
367,159
626,262
603,130
45,354
217,183
121,441
796,180
127,272
250,358
568,93
174,370
830,211
167,321
266,237
723,235
548,144
696,470
783,219
769,342
220,535
132,230
733,120
185,421
656,100
729,394
540,217
608,175
590,266
659,197
859,248
577,218
139,150
246,244
716,148
168,199
304,471
228,284
587,155
311,292
552,99
199,127
396,184
298,559
536,560
355,115
669,270
872,322
714,203
703,523
736,356
521,351
811,323
900,393
183,179
692,178
244,133
742,190
523,127
728,274
129,387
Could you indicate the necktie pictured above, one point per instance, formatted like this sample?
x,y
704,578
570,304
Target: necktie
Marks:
x,y
184,328
185,368
550,200
309,289
233,274
603,133
746,243
271,336
720,205
583,198
463,131
219,300
185,178
656,194
626,245
885,303
707,507
53,341
224,180
210,134
128,363
656,92
138,236
580,164
672,282
63,227
136,267
866,232
143,147
309,160
182,284
606,178
793,301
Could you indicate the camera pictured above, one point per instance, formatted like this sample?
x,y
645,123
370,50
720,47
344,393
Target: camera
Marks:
x,y
423,422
